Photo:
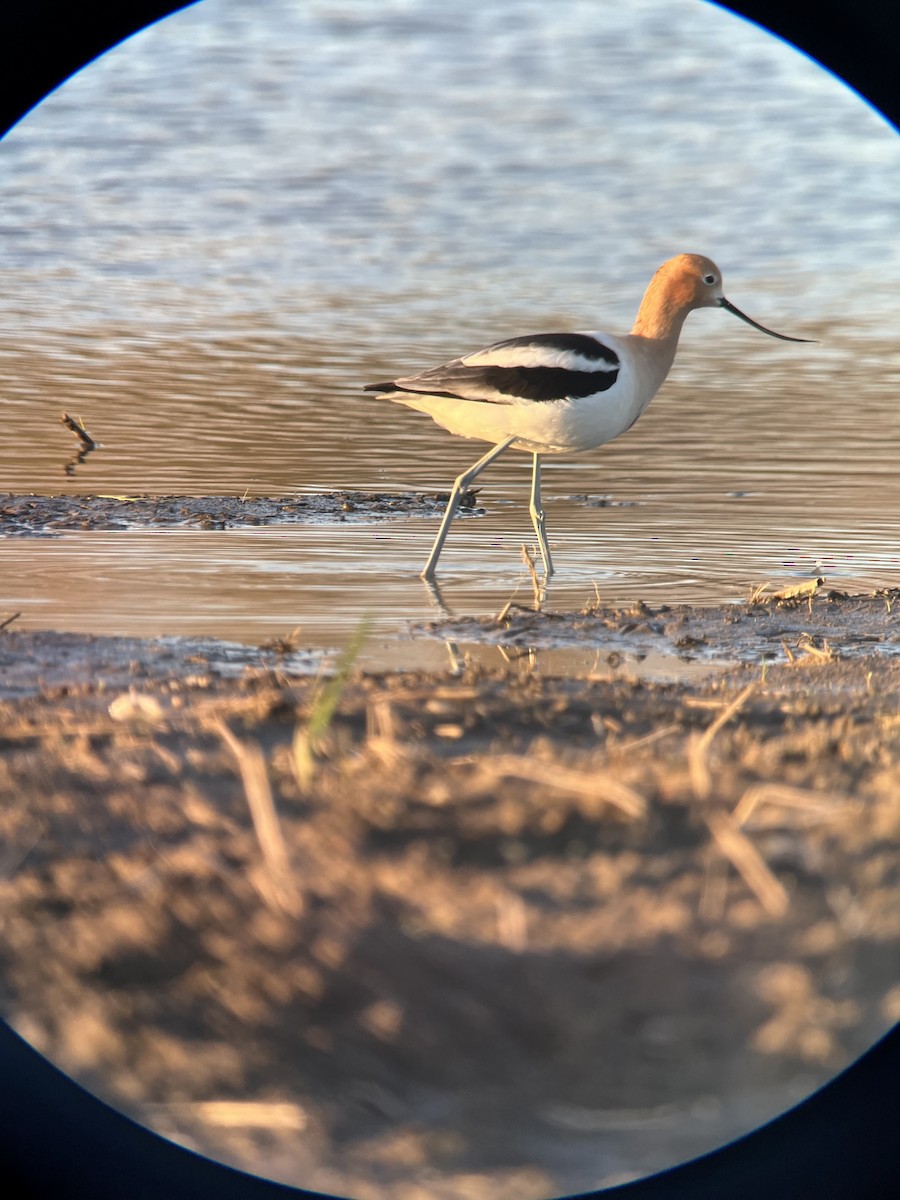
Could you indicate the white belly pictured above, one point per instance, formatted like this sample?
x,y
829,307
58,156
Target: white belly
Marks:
x,y
547,426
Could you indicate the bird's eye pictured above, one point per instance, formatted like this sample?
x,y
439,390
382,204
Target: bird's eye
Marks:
x,y
709,279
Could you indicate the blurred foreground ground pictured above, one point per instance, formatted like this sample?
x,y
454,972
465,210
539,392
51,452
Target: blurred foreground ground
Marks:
x,y
502,930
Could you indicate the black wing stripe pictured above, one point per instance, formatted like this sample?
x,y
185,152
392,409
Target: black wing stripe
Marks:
x,y
489,382
539,384
546,383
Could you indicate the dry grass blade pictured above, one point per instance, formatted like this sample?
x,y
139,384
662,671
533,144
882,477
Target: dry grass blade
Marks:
x,y
698,744
748,862
823,653
595,605
7,621
381,733
714,891
505,616
284,643
698,767
727,713
380,719
757,592
588,785
243,1114
277,887
809,806
536,586
648,739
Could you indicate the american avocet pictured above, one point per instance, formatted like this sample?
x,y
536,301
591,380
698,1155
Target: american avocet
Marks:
x,y
553,393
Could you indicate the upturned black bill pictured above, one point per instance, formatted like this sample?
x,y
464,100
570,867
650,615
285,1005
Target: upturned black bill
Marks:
x,y
729,307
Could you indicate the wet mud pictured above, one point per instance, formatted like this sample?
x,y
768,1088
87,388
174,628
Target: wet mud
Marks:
x,y
468,930
820,623
39,663
45,516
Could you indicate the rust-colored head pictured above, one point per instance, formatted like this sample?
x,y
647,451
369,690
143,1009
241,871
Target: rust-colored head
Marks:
x,y
681,284
691,280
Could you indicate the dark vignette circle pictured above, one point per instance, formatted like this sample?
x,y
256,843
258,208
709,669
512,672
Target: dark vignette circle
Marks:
x,y
58,1141
43,42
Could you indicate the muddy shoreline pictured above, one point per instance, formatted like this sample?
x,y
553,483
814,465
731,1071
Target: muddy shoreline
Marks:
x,y
49,516
490,928
810,621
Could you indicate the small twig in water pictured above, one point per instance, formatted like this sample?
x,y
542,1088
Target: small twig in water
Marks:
x,y
77,427
85,446
4,624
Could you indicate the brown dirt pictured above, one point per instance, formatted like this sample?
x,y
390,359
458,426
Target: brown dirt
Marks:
x,y
505,929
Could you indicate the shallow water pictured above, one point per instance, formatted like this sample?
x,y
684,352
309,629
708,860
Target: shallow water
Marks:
x,y
722,485
222,229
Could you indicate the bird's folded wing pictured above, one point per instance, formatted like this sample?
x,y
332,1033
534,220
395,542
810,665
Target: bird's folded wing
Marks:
x,y
546,366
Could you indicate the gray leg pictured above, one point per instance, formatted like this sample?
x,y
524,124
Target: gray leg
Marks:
x,y
537,516
459,486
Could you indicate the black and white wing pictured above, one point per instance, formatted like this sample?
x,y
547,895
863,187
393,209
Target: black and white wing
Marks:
x,y
542,367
